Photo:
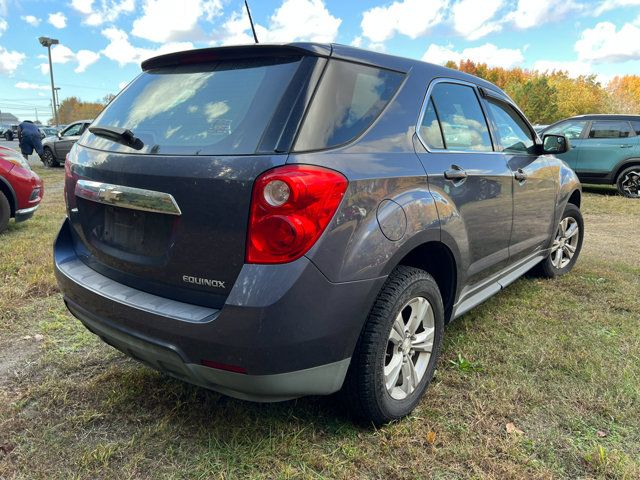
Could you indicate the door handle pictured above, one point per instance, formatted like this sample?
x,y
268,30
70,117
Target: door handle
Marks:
x,y
455,173
626,146
520,175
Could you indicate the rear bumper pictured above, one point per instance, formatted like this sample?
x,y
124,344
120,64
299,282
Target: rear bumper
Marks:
x,y
289,328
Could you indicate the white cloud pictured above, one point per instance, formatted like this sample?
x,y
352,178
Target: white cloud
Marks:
x,y
10,61
607,5
3,26
123,52
58,20
574,68
294,20
161,22
605,43
235,30
357,42
413,18
107,10
472,22
62,54
31,20
300,20
31,86
85,58
487,53
533,13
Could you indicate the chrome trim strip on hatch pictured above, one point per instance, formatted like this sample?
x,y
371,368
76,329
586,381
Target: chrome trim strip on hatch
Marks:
x,y
127,197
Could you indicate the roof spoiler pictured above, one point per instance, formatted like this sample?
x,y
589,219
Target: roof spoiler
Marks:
x,y
205,55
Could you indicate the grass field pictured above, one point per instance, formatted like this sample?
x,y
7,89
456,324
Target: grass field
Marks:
x,y
542,381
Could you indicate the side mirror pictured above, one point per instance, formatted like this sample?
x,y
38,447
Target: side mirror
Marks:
x,y
554,144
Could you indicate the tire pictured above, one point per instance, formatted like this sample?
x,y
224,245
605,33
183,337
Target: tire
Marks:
x,y
365,387
8,136
49,159
5,212
628,182
550,267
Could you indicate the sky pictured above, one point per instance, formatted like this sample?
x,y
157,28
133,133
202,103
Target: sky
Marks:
x,y
102,42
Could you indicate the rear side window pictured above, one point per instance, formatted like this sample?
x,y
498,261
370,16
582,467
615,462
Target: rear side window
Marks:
x,y
571,129
463,124
348,100
636,126
513,133
208,109
610,129
430,130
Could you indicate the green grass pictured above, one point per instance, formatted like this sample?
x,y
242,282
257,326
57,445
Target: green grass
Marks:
x,y
558,359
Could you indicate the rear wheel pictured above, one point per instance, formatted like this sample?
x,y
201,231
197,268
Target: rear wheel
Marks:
x,y
628,182
397,352
8,136
5,212
49,159
566,246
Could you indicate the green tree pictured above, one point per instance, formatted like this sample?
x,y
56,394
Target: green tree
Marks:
x,y
537,99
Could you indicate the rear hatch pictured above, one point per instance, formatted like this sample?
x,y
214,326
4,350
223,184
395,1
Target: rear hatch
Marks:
x,y
169,215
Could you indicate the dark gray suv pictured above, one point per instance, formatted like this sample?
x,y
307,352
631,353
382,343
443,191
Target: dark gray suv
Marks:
x,y
277,221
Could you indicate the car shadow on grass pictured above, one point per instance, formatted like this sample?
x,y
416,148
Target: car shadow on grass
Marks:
x,y
607,190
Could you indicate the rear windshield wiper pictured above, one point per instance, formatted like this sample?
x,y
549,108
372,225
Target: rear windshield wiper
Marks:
x,y
117,134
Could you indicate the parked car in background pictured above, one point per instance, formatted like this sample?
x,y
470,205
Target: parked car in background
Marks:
x,y
281,239
48,132
21,189
10,132
605,149
56,147
539,128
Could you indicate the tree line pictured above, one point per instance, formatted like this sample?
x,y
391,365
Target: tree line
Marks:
x,y
72,109
546,97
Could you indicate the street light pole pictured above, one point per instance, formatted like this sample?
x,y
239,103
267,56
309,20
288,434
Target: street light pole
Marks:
x,y
47,42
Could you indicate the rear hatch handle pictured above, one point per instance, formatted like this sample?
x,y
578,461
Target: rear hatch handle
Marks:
x,y
127,197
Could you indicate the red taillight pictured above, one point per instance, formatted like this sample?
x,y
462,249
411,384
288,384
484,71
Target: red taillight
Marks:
x,y
290,208
223,366
70,180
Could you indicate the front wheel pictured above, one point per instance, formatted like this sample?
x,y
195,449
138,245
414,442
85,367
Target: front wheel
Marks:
x,y
5,212
49,159
628,182
566,246
398,349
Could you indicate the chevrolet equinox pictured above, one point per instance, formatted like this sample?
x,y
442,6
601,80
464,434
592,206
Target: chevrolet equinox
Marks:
x,y
273,221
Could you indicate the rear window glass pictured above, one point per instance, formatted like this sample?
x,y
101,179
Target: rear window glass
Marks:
x,y
610,129
216,109
348,100
463,124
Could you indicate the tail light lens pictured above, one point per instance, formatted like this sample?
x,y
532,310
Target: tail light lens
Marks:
x,y
290,208
70,180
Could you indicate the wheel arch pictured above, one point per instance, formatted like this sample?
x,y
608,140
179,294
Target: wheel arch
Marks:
x,y
629,162
436,258
575,198
8,191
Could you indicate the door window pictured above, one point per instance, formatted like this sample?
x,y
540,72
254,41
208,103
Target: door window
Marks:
x,y
571,129
513,132
73,130
463,124
610,129
430,130
636,126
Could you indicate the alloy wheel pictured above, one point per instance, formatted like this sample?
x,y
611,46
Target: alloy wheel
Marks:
x,y
565,243
409,348
631,183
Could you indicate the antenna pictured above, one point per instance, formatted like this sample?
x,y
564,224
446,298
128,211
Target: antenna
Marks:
x,y
253,29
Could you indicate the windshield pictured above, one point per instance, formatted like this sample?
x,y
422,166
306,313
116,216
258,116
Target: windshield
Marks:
x,y
216,109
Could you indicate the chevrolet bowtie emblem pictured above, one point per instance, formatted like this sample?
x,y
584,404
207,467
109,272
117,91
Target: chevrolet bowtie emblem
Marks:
x,y
109,195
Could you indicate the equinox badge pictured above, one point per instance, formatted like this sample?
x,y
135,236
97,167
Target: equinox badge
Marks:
x,y
203,281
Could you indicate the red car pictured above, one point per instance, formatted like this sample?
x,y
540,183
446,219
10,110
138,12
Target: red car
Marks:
x,y
21,189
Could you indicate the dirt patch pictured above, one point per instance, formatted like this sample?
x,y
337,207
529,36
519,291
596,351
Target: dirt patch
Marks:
x,y
16,359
